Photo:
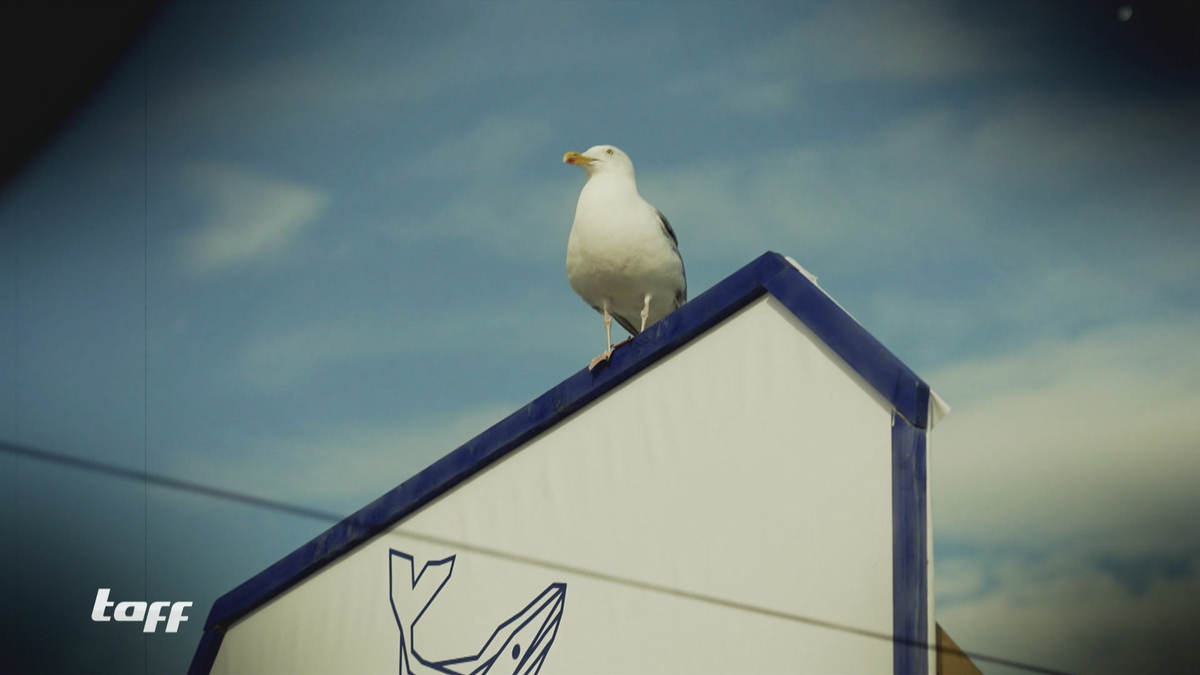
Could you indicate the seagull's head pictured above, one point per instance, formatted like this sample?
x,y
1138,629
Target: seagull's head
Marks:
x,y
601,159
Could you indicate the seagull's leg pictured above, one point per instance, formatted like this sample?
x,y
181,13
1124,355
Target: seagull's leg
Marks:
x,y
607,353
645,317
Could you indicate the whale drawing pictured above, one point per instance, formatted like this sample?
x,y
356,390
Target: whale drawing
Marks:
x,y
518,646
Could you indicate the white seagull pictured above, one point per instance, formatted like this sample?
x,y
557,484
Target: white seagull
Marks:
x,y
622,256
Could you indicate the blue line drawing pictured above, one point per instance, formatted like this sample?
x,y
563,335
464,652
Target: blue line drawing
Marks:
x,y
518,646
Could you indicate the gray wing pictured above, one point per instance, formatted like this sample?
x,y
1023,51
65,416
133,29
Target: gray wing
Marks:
x,y
666,226
681,294
626,323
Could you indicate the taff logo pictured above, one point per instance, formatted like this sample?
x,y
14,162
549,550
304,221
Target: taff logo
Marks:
x,y
136,611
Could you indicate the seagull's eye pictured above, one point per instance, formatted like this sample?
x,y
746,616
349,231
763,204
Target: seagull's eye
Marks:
x,y
609,151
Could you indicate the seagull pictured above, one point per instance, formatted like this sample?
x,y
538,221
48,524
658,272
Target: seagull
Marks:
x,y
622,256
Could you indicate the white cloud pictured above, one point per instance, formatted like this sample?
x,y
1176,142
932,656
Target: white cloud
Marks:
x,y
905,43
909,42
732,87
368,67
287,357
526,220
890,187
1064,500
497,202
491,148
1062,611
342,468
1089,439
1014,192
343,79
875,196
1061,140
274,357
252,218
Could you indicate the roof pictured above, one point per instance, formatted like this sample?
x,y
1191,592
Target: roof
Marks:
x,y
769,273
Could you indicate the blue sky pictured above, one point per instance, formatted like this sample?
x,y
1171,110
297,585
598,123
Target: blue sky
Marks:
x,y
302,250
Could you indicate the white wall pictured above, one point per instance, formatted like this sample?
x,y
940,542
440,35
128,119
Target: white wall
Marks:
x,y
750,466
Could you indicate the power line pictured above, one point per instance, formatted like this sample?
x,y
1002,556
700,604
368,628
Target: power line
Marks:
x,y
168,482
711,600
317,514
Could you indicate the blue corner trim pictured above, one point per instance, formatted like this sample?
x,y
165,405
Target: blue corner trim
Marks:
x,y
848,339
910,560
206,651
769,272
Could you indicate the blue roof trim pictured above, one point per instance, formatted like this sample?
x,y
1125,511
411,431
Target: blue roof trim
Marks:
x,y
206,652
910,557
907,393
769,272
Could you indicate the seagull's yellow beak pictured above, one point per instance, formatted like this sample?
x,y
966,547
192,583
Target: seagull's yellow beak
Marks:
x,y
577,159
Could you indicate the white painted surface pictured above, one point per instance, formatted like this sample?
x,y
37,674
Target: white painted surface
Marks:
x,y
752,466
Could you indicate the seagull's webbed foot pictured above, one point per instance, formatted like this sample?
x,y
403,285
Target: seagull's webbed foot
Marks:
x,y
602,358
607,353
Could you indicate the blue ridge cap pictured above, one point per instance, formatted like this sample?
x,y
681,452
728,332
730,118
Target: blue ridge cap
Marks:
x,y
769,273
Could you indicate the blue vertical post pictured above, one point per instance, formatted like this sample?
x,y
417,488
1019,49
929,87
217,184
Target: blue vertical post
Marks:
x,y
910,558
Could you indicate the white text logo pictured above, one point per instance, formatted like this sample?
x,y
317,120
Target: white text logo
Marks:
x,y
136,611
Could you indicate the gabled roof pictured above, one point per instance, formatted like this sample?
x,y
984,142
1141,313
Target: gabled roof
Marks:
x,y
769,273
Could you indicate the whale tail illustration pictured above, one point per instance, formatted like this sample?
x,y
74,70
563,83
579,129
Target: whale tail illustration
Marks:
x,y
412,593
518,646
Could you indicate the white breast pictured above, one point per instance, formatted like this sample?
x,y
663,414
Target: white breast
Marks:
x,y
618,252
